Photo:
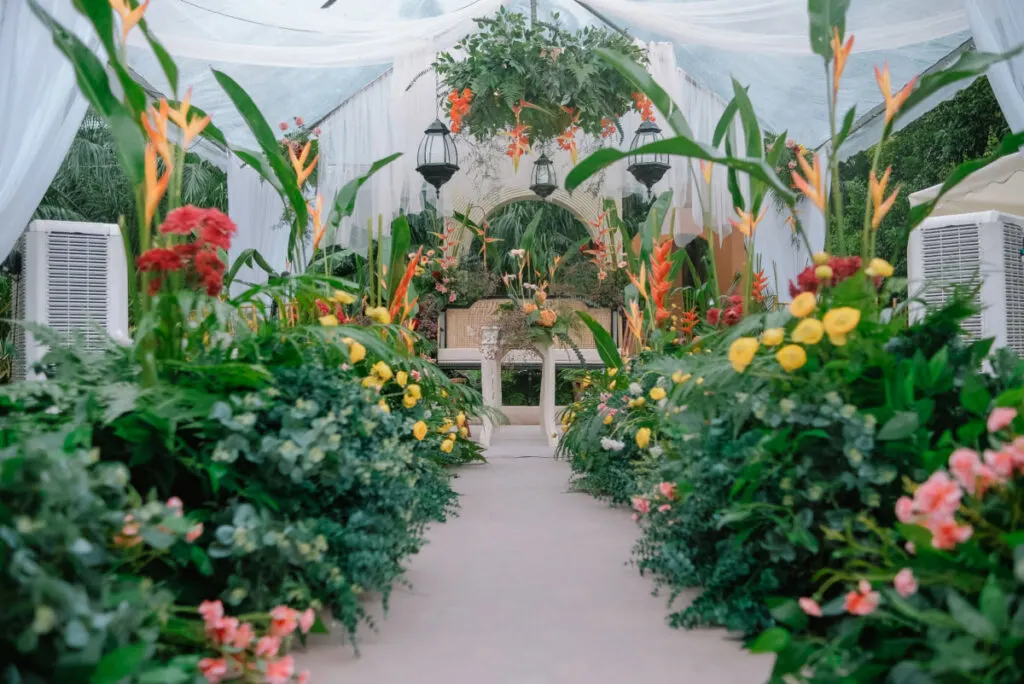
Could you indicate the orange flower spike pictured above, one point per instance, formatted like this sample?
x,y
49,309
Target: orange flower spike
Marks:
x,y
812,183
190,129
705,168
841,54
155,186
893,103
635,322
129,17
403,286
640,283
661,282
155,122
747,223
319,230
302,172
759,286
880,204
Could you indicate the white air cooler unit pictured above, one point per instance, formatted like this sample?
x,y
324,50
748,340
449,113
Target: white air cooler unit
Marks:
x,y
74,279
967,249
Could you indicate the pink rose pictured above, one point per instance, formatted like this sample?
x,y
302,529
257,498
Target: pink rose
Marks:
x,y
222,631
810,606
280,671
283,621
905,510
316,131
268,646
667,489
946,534
1000,418
175,504
939,495
664,507
244,636
641,505
964,464
905,583
211,611
214,669
306,620
283,125
863,601
451,297
1001,463
195,533
299,121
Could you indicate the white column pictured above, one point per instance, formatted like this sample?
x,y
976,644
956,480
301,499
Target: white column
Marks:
x,y
548,424
490,378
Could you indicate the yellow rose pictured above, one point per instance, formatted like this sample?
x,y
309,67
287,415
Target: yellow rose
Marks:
x,y
460,419
329,321
679,377
841,322
657,394
823,272
463,432
608,419
741,353
791,357
408,402
643,437
773,337
414,391
804,304
342,297
382,371
809,331
821,258
447,446
402,378
378,314
356,351
384,406
371,381
419,430
879,267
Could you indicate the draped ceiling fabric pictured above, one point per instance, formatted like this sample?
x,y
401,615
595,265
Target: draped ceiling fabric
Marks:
x,y
297,59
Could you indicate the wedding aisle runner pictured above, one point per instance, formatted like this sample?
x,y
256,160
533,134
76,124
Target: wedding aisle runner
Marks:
x,y
529,586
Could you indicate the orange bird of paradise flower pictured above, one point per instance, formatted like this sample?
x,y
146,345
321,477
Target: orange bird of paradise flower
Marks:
x,y
893,103
316,212
747,223
880,204
302,172
640,283
841,54
156,185
129,17
812,183
190,128
155,122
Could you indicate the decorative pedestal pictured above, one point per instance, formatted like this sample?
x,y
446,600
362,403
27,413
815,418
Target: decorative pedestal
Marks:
x,y
548,423
490,379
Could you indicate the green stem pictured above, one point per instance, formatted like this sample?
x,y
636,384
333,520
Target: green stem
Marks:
x,y
837,193
867,237
380,258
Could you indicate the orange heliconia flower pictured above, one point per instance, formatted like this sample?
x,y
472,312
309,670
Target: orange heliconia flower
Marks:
x,y
640,283
398,296
156,185
299,163
635,323
747,223
880,204
129,17
644,106
689,321
892,102
155,122
459,107
661,279
567,141
316,212
179,116
842,53
759,286
812,183
705,168
520,144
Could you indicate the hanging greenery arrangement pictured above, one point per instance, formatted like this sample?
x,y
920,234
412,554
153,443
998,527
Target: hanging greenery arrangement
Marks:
x,y
535,82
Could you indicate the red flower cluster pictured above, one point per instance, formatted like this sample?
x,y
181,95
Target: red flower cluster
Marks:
x,y
324,309
842,268
459,107
731,315
689,321
212,231
644,106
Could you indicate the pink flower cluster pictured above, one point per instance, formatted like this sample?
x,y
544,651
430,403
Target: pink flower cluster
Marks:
x,y
666,491
131,531
243,652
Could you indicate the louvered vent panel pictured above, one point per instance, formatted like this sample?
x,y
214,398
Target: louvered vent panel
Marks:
x,y
20,306
951,256
1013,238
78,284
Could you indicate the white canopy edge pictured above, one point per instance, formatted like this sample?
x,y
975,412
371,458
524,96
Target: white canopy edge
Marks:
x,y
999,187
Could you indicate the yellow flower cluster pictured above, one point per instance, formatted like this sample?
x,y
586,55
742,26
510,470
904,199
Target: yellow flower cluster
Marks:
x,y
413,394
356,351
378,314
379,374
637,403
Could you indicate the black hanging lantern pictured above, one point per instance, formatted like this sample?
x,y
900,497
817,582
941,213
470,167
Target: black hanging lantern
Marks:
x,y
437,160
543,178
647,168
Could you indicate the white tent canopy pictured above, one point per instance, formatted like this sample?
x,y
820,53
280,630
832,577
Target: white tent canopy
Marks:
x,y
999,186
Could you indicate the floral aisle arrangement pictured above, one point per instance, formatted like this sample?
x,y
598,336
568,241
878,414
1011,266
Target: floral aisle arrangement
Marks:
x,y
185,504
535,82
833,458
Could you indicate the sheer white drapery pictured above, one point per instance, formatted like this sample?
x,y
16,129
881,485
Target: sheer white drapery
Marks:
x,y
256,209
998,26
41,111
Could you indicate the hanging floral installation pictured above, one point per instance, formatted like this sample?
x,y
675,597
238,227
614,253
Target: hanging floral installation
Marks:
x,y
509,60
520,141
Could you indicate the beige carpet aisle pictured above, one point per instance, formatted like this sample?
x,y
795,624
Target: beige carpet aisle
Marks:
x,y
529,586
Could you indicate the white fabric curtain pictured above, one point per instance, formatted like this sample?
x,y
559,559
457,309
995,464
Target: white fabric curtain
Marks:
x,y
998,26
256,209
40,113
